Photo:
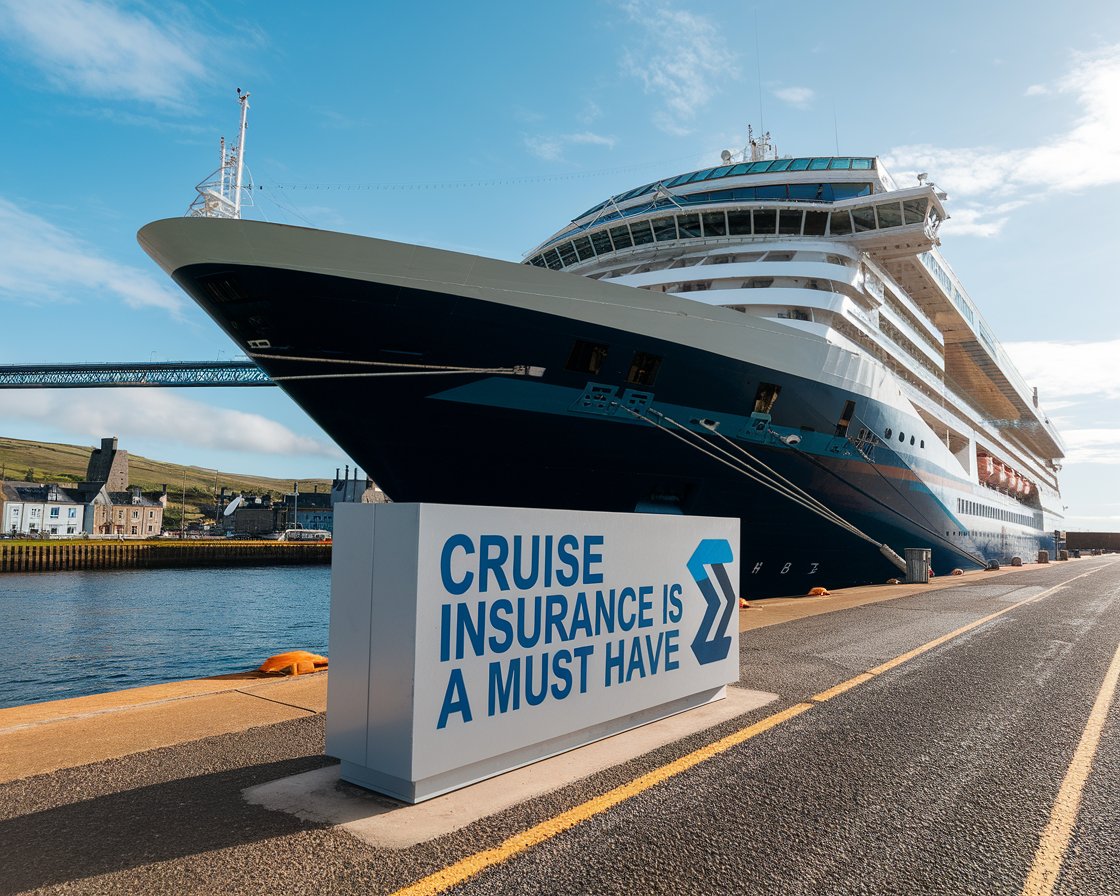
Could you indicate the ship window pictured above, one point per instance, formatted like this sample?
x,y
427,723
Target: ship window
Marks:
x,y
863,219
601,241
758,167
715,224
840,163
889,215
887,432
911,440
815,223
586,357
789,222
805,192
914,211
765,221
583,248
739,222
922,444
537,260
780,165
799,164
771,191
688,225
718,172
701,175
643,369
846,418
841,224
861,164
641,232
225,288
818,164
902,437
552,259
765,397
679,179
567,253
665,229
621,237
739,169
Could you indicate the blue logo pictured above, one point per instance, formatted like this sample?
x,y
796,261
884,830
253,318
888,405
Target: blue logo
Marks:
x,y
709,646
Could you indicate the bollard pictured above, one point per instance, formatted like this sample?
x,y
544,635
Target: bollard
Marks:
x,y
1063,554
1043,556
917,566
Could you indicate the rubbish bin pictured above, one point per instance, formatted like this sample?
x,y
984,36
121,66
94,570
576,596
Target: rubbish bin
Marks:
x,y
917,566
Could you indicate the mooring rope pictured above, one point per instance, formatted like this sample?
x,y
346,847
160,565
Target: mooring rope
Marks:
x,y
412,369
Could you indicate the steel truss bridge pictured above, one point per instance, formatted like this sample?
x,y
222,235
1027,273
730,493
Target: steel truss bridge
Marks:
x,y
152,373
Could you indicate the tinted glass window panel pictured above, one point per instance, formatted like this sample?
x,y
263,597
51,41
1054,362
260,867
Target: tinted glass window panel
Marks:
x,y
701,175
739,222
914,211
890,215
789,222
780,165
818,164
861,164
739,169
665,229
804,192
715,224
567,253
552,259
850,191
743,194
863,219
720,172
586,357
799,164
756,167
583,248
765,221
538,260
771,191
602,242
815,223
643,369
641,233
840,163
688,225
621,237
841,224
679,179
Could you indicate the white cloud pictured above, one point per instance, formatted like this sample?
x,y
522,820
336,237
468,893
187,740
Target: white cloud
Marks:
x,y
551,148
1092,446
97,49
681,60
155,415
1086,153
1070,369
799,97
1036,90
41,262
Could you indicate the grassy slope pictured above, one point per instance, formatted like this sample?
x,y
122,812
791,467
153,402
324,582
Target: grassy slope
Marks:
x,y
66,464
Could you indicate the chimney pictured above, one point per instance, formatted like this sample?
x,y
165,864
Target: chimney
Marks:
x,y
109,444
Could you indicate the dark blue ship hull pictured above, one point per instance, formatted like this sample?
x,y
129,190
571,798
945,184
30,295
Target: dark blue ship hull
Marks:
x,y
565,440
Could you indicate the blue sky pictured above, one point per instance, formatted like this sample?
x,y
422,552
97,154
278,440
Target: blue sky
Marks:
x,y
486,127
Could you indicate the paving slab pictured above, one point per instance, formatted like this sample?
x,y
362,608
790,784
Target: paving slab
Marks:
x,y
321,796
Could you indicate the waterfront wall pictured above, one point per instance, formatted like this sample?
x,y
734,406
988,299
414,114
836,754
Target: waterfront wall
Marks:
x,y
50,556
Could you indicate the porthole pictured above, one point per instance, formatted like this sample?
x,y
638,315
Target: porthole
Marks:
x,y
911,440
887,432
902,437
922,443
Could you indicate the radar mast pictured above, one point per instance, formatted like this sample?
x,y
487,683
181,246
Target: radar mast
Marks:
x,y
220,195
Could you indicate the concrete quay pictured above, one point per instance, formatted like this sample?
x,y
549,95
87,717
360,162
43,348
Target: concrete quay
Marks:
x,y
882,739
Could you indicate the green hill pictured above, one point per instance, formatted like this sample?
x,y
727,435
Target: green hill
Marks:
x,y
193,487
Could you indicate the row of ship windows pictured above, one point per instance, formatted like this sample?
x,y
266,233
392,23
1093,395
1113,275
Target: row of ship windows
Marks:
x,y
762,167
819,192
888,432
734,222
995,513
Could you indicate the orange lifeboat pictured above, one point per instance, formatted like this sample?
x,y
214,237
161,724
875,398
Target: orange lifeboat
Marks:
x,y
986,467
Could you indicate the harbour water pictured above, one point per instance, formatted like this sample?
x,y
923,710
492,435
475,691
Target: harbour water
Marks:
x,y
76,633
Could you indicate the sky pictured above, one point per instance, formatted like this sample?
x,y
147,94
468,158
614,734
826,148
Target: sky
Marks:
x,y
484,128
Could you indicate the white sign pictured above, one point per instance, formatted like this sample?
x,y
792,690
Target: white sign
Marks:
x,y
467,641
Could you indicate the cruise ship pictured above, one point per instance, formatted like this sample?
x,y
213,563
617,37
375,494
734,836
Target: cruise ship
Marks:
x,y
774,339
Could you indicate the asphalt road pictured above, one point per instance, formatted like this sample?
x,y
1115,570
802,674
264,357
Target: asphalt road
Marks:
x,y
936,776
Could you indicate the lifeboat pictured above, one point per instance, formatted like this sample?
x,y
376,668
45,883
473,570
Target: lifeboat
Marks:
x,y
1020,484
1002,476
985,467
1027,487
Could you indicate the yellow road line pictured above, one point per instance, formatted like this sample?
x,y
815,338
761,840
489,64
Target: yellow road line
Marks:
x,y
1055,837
455,874
468,867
